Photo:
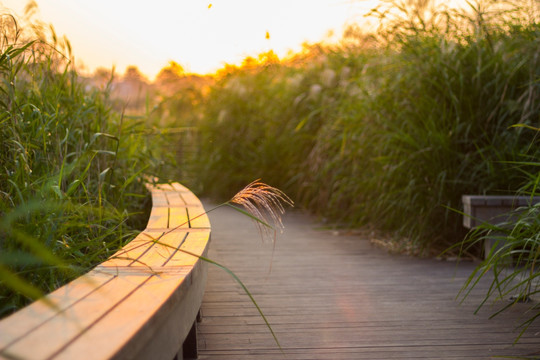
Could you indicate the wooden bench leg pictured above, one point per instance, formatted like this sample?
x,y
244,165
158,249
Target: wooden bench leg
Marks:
x,y
189,348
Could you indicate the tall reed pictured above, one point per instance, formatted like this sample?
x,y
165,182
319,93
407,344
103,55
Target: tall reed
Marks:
x,y
71,186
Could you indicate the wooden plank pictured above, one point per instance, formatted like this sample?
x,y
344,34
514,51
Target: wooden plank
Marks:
x,y
20,324
196,243
492,209
159,218
159,199
180,188
191,200
175,199
163,187
168,330
369,353
198,218
162,249
133,252
179,218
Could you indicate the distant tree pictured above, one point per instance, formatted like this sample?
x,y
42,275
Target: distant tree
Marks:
x,y
170,74
133,89
102,76
249,62
171,78
134,75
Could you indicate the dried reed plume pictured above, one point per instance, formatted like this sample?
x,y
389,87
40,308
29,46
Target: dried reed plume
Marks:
x,y
264,204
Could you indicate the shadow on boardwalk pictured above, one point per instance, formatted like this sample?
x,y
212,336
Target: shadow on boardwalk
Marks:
x,y
338,297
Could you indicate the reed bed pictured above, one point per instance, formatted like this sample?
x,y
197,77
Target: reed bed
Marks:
x,y
71,169
386,129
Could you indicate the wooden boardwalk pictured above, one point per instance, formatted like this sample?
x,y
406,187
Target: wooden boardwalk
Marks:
x,y
332,296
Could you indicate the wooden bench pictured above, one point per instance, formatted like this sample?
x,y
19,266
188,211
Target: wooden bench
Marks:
x,y
142,303
492,209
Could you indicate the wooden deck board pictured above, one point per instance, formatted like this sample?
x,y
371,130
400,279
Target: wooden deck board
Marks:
x,y
338,297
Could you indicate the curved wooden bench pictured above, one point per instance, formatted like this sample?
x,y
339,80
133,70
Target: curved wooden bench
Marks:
x,y
142,303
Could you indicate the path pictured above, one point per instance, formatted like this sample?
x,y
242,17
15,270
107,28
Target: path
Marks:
x,y
338,297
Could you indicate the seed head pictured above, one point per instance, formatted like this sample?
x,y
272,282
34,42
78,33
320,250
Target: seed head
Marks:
x,y
265,203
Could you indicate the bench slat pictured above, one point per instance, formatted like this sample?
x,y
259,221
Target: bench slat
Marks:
x,y
198,218
179,217
159,218
175,199
19,324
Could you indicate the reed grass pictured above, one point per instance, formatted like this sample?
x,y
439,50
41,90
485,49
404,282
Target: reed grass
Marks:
x,y
387,129
71,169
264,204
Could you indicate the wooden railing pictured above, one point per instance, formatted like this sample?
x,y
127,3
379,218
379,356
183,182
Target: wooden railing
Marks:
x,y
142,303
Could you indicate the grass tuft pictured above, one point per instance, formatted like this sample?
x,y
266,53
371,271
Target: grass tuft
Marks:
x,y
264,204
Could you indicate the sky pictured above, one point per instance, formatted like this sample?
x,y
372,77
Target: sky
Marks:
x,y
200,35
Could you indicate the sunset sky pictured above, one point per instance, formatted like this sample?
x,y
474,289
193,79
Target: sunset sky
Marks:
x,y
200,35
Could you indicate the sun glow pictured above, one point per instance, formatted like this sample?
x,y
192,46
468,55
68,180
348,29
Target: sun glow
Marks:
x,y
200,35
